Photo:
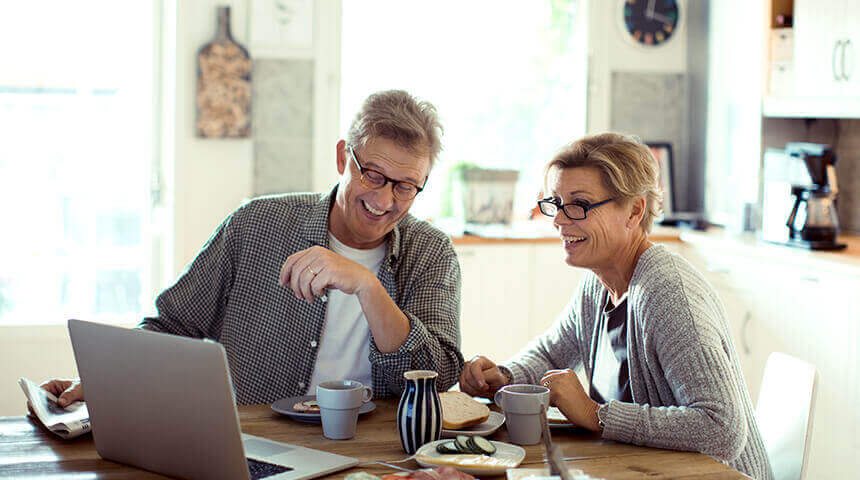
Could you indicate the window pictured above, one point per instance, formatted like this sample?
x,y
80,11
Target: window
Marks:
x,y
508,79
76,113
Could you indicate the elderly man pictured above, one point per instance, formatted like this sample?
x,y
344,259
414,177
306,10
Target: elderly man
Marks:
x,y
303,288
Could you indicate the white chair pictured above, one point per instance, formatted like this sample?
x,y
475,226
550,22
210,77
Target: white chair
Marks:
x,y
784,412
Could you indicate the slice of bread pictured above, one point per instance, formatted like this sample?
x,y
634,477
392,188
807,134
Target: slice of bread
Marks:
x,y
459,410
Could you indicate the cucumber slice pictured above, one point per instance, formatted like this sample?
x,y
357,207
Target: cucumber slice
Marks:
x,y
462,444
447,447
485,446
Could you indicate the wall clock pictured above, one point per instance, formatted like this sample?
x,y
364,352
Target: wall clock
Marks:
x,y
649,23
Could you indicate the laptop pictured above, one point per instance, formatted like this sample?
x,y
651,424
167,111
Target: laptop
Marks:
x,y
165,403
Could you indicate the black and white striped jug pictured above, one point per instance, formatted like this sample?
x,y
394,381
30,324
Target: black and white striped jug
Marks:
x,y
419,414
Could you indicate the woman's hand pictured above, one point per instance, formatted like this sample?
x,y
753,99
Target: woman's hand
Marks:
x,y
566,393
481,377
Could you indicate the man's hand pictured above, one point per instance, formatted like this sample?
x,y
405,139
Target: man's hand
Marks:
x,y
481,377
66,391
312,271
566,393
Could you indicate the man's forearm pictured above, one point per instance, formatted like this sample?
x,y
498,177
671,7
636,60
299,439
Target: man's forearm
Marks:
x,y
388,324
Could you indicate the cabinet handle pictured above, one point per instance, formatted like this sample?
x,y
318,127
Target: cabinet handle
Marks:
x,y
744,343
833,60
845,45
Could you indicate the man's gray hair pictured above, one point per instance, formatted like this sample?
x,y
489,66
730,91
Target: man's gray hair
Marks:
x,y
398,116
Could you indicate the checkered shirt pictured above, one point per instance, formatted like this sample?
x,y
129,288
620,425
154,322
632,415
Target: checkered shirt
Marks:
x,y
230,294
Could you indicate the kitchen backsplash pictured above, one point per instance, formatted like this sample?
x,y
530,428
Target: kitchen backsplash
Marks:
x,y
282,112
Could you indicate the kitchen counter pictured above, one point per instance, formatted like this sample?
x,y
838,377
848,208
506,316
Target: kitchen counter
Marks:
x,y
846,260
538,232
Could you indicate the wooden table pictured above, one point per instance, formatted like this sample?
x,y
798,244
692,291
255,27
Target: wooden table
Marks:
x,y
29,451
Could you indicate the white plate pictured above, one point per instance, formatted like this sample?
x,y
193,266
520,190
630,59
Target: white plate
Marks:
x,y
556,419
428,457
284,406
489,427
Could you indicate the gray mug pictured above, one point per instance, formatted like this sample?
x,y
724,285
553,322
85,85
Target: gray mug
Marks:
x,y
523,405
339,401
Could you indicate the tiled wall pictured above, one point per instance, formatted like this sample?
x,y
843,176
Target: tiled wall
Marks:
x,y
848,173
652,106
283,125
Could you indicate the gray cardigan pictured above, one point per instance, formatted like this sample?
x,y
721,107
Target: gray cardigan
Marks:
x,y
688,389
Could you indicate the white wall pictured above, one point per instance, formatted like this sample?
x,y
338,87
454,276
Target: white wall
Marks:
x,y
212,177
609,51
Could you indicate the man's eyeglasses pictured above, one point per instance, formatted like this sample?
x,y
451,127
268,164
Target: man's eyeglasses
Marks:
x,y
576,210
374,180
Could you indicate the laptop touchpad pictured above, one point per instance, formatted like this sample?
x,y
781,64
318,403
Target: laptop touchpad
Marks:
x,y
258,448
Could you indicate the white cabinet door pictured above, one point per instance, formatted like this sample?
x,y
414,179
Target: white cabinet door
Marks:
x,y
554,284
812,314
850,60
800,314
494,299
817,29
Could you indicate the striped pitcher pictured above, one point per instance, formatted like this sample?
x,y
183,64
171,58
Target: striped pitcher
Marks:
x,y
419,414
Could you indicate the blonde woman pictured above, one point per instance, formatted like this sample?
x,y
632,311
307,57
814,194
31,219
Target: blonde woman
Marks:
x,y
648,330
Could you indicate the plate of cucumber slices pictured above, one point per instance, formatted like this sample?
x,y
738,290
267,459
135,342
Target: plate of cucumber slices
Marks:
x,y
473,454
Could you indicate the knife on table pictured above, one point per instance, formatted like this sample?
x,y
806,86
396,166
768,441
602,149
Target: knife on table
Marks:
x,y
554,455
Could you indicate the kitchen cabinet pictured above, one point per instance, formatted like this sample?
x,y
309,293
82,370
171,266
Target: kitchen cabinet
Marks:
x,y
554,284
819,35
826,62
494,306
511,293
810,313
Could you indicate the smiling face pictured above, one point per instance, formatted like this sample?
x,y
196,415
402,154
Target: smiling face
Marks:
x,y
361,217
594,241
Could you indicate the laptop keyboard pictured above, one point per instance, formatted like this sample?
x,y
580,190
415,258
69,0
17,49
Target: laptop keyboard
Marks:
x,y
259,469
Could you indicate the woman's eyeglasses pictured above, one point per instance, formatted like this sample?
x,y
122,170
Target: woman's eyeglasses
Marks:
x,y
576,210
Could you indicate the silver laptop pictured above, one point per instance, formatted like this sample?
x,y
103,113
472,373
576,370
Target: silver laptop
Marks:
x,y
165,403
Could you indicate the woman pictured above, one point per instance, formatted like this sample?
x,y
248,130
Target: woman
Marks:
x,y
648,330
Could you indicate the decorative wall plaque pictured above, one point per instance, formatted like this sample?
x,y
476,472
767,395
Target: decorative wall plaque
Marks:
x,y
223,85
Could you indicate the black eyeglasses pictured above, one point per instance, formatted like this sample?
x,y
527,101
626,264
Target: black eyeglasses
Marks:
x,y
374,180
576,210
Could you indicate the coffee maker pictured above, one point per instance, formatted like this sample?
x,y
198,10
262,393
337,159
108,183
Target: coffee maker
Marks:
x,y
813,223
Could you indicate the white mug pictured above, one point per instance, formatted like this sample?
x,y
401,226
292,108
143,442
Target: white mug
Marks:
x,y
339,401
523,405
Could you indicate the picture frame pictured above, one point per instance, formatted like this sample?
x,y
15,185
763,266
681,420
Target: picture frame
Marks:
x,y
662,152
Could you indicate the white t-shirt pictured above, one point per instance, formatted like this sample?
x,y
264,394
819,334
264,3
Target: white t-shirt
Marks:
x,y
344,349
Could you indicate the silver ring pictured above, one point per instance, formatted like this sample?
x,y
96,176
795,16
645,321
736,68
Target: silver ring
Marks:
x,y
311,270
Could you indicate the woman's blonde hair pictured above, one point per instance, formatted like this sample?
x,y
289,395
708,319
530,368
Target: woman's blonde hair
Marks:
x,y
398,116
626,165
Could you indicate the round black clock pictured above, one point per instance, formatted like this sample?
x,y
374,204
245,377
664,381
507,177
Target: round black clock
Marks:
x,y
650,22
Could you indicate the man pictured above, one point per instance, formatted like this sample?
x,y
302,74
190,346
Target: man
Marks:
x,y
303,288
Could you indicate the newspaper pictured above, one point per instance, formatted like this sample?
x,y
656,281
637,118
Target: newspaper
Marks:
x,y
69,422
